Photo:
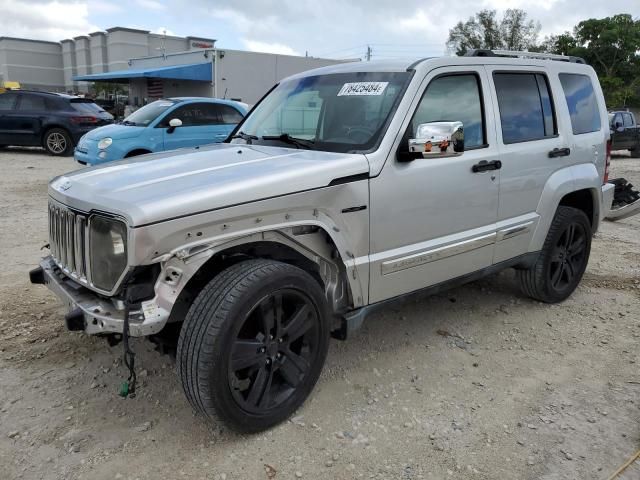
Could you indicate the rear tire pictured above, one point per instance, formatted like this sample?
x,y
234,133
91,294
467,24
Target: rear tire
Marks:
x,y
635,153
563,258
58,142
253,344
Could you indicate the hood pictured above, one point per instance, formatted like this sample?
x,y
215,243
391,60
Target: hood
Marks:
x,y
115,131
158,187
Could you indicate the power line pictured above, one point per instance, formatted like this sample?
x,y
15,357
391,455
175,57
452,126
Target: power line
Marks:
x,y
381,47
357,47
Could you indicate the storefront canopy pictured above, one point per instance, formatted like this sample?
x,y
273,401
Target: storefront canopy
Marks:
x,y
196,71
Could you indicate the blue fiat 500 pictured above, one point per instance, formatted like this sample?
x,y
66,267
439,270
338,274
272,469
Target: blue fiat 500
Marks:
x,y
161,125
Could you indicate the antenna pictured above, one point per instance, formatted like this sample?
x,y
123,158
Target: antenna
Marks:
x,y
162,47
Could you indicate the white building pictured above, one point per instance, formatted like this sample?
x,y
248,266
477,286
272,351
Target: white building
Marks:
x,y
153,65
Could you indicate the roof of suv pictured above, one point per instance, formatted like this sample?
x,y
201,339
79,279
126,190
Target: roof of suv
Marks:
x,y
400,65
49,94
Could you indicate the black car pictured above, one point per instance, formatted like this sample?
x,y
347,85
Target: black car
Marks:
x,y
625,132
50,120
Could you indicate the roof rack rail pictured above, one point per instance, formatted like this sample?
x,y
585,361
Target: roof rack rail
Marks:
x,y
523,54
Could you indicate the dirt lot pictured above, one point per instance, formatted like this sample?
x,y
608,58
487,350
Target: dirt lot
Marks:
x,y
477,383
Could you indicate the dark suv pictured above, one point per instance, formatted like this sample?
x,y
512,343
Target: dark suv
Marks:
x,y
50,120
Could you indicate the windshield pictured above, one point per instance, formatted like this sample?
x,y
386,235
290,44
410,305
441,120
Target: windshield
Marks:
x,y
147,114
343,112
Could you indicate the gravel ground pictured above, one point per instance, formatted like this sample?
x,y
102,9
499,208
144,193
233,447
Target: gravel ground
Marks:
x,y
476,383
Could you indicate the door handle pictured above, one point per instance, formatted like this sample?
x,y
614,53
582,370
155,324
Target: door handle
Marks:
x,y
560,152
485,166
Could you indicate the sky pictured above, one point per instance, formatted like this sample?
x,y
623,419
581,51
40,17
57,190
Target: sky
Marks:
x,y
326,28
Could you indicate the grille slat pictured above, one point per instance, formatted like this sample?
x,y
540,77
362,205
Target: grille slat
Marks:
x,y
67,240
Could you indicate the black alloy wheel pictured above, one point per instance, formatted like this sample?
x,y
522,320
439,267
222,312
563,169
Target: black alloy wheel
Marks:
x,y
568,256
273,349
562,260
253,344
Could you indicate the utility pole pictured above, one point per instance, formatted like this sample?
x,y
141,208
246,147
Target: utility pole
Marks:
x,y
368,55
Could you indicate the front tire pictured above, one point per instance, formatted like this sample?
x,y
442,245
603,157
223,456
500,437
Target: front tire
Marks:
x,y
563,258
253,344
58,142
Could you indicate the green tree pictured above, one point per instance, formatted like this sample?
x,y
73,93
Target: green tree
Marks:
x,y
514,31
611,46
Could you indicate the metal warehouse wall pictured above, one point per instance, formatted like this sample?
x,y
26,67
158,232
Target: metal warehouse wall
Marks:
x,y
35,64
51,65
249,75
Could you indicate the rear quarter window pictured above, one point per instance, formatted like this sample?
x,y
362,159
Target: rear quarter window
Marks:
x,y
229,115
582,103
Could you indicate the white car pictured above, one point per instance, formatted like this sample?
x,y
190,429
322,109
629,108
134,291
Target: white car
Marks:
x,y
345,188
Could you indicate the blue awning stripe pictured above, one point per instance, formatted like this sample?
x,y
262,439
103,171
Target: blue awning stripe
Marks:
x,y
195,71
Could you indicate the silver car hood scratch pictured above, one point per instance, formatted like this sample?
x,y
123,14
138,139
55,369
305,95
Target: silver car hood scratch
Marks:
x,y
158,187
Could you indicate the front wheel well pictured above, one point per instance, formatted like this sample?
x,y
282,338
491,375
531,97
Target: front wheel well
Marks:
x,y
136,152
582,200
261,249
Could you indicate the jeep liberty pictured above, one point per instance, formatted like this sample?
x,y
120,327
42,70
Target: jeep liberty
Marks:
x,y
345,188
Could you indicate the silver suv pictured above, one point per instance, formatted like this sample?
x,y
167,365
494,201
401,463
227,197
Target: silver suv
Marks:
x,y
344,189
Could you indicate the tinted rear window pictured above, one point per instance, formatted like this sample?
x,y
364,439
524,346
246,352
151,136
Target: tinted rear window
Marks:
x,y
526,107
86,107
582,103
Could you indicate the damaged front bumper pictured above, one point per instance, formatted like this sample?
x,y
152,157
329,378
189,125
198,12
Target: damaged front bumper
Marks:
x,y
94,313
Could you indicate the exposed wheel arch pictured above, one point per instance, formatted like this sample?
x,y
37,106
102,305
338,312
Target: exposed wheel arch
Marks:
x,y
329,273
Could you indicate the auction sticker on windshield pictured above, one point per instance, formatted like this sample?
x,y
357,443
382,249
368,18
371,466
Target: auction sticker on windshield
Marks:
x,y
362,88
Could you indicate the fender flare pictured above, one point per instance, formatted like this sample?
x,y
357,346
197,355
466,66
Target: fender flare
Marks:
x,y
583,176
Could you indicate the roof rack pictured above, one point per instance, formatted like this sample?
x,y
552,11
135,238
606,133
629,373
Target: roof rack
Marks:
x,y
520,54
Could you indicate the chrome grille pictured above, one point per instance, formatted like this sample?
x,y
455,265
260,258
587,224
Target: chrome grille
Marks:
x,y
67,241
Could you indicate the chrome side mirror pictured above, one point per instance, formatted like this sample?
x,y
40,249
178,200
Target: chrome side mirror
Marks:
x,y
438,139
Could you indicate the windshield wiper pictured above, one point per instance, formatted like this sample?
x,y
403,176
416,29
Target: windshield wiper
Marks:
x,y
245,136
286,138
127,122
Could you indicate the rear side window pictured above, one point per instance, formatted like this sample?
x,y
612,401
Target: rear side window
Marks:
x,y
31,103
526,107
628,121
7,101
582,103
229,114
